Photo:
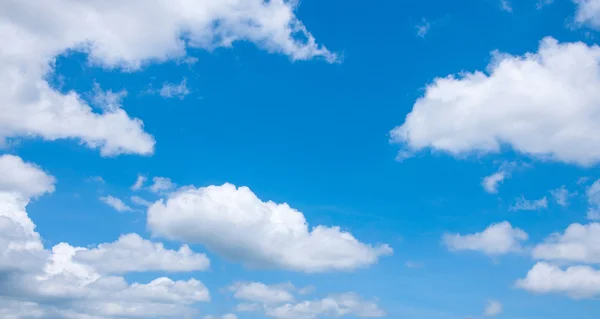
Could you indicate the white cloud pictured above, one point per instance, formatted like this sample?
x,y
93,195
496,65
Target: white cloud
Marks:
x,y
132,253
226,316
588,13
260,293
307,290
579,243
139,182
25,178
561,196
118,34
493,308
235,223
577,281
506,6
161,184
526,204
174,90
593,196
57,286
334,306
497,239
140,201
116,203
490,183
540,104
423,28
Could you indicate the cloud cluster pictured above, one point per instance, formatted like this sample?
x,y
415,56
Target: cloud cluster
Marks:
x,y
278,301
540,104
497,239
119,34
236,224
75,282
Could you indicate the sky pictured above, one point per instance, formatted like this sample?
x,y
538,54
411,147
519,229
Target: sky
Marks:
x,y
309,159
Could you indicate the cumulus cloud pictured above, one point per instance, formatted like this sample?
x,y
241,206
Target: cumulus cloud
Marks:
x,y
132,253
493,308
24,178
539,104
497,239
117,34
333,306
235,223
526,204
578,244
116,203
491,183
588,13
260,293
57,285
576,281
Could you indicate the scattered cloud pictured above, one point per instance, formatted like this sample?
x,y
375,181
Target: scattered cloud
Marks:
x,y
332,306
257,292
492,182
561,195
236,224
161,184
140,201
506,6
96,179
414,264
423,28
497,239
520,102
226,316
588,13
577,281
40,32
116,203
174,90
525,204
139,182
56,283
593,196
493,308
579,243
131,253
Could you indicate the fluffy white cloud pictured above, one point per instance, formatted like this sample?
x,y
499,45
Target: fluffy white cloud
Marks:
x,y
579,243
161,184
235,223
588,13
121,34
334,306
58,285
497,239
24,178
576,281
490,183
493,308
115,203
132,253
540,104
260,293
526,204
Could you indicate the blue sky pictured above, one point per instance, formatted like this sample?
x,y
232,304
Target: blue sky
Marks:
x,y
400,159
